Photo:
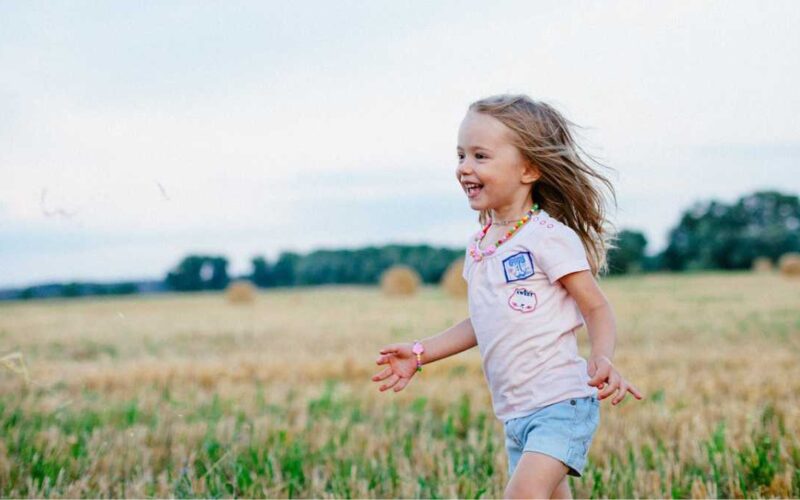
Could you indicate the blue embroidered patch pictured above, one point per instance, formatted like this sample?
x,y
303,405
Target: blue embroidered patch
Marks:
x,y
518,266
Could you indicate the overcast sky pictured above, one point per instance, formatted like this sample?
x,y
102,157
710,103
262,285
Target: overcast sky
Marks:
x,y
134,133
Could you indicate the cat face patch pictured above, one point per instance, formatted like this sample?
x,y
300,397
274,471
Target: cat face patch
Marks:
x,y
522,300
518,266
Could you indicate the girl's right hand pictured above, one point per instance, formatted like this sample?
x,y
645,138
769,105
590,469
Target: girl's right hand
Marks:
x,y
402,366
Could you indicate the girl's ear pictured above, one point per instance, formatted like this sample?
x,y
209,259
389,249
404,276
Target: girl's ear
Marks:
x,y
531,173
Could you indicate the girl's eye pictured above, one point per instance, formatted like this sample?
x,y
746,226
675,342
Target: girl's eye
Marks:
x,y
480,154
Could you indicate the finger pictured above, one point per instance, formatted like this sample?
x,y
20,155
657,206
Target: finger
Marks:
x,y
599,382
602,371
635,391
382,360
623,391
391,348
613,384
383,374
609,391
601,375
597,378
401,384
389,383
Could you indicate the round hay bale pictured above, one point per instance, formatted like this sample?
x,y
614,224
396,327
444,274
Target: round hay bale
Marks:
x,y
762,265
452,280
789,264
400,280
240,292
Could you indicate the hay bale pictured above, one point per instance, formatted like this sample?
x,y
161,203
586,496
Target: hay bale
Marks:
x,y
789,264
452,281
400,280
241,292
762,265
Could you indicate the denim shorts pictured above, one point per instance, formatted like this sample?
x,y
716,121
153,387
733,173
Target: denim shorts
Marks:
x,y
563,430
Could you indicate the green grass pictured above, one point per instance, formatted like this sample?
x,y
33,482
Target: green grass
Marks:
x,y
189,397
284,460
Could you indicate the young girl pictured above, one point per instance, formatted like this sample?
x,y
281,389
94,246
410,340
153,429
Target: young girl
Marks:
x,y
531,283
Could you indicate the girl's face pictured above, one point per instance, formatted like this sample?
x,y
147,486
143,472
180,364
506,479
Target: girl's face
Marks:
x,y
491,170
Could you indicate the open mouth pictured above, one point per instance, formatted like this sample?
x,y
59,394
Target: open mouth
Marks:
x,y
473,189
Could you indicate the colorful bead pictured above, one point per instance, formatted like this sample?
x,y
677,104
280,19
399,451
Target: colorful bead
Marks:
x,y
478,254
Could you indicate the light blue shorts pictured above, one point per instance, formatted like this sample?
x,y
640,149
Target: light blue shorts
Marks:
x,y
563,430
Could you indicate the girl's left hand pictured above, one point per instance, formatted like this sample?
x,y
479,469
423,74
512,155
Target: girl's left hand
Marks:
x,y
603,373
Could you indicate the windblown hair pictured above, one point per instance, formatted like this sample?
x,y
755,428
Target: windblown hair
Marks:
x,y
569,189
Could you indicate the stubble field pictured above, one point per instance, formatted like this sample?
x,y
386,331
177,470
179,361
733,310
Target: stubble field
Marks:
x,y
190,396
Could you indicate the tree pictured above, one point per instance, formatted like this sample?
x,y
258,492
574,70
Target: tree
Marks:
x,y
219,273
72,289
125,288
284,269
628,255
262,275
199,272
186,276
714,235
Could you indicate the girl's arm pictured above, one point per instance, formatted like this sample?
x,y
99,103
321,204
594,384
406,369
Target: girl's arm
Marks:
x,y
403,363
596,311
454,340
602,328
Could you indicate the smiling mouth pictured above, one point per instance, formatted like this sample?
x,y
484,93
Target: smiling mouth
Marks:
x,y
473,189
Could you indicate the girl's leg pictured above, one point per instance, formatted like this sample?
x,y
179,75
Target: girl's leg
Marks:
x,y
536,476
562,490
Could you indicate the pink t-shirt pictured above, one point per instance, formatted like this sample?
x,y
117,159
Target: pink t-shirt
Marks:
x,y
525,320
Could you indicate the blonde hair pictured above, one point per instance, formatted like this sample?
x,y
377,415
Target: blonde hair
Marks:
x,y
569,189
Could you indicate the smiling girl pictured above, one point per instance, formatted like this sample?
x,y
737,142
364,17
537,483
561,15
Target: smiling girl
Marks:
x,y
531,273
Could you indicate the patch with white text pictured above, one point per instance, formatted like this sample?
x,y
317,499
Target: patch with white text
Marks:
x,y
522,300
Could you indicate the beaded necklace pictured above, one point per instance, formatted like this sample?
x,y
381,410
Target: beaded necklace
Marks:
x,y
478,254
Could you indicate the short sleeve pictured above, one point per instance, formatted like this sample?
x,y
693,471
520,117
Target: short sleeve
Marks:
x,y
561,253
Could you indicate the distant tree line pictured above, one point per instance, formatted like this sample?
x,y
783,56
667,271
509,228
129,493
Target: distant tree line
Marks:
x,y
77,289
716,235
359,266
709,235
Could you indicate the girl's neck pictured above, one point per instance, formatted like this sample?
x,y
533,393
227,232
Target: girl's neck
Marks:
x,y
510,215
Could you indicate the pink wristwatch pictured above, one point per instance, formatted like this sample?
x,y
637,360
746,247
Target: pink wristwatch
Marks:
x,y
418,349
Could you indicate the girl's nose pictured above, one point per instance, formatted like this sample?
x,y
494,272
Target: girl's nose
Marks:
x,y
464,167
